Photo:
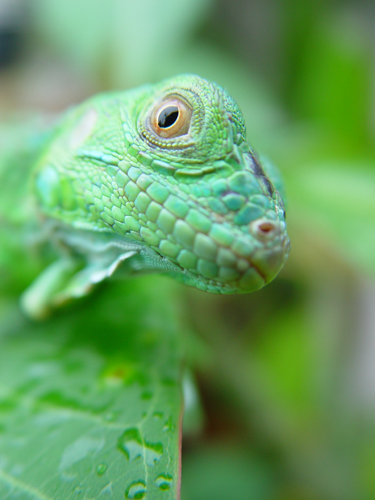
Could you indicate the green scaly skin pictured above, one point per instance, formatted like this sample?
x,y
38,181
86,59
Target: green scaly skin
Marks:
x,y
114,194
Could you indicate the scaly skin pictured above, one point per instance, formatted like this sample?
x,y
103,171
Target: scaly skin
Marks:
x,y
198,205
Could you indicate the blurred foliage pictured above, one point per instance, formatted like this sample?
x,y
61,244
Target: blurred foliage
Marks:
x,y
286,375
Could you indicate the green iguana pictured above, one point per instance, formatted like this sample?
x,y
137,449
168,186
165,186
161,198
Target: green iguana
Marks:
x,y
159,178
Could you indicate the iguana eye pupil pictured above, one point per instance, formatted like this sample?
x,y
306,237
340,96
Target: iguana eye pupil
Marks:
x,y
171,117
168,116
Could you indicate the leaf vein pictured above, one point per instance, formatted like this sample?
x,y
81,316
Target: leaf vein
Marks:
x,y
9,479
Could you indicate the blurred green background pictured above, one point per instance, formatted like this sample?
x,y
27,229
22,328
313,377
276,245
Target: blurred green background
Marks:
x,y
286,375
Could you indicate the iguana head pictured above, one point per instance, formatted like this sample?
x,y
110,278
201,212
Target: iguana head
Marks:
x,y
167,170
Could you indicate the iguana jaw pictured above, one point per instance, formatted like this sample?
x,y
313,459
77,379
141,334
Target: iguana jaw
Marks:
x,y
105,253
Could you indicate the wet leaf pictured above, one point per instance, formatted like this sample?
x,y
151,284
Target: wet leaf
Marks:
x,y
90,401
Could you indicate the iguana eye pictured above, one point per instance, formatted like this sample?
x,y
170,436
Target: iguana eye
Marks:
x,y
171,118
168,116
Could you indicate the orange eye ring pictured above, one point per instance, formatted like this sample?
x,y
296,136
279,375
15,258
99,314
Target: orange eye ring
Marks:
x,y
171,118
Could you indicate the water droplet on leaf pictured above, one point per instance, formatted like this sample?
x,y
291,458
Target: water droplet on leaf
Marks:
x,y
101,468
77,490
169,425
136,490
84,447
164,482
133,446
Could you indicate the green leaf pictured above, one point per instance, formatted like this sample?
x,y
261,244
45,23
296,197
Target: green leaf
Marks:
x,y
90,401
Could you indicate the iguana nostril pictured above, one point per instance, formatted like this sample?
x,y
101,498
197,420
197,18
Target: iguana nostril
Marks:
x,y
264,229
